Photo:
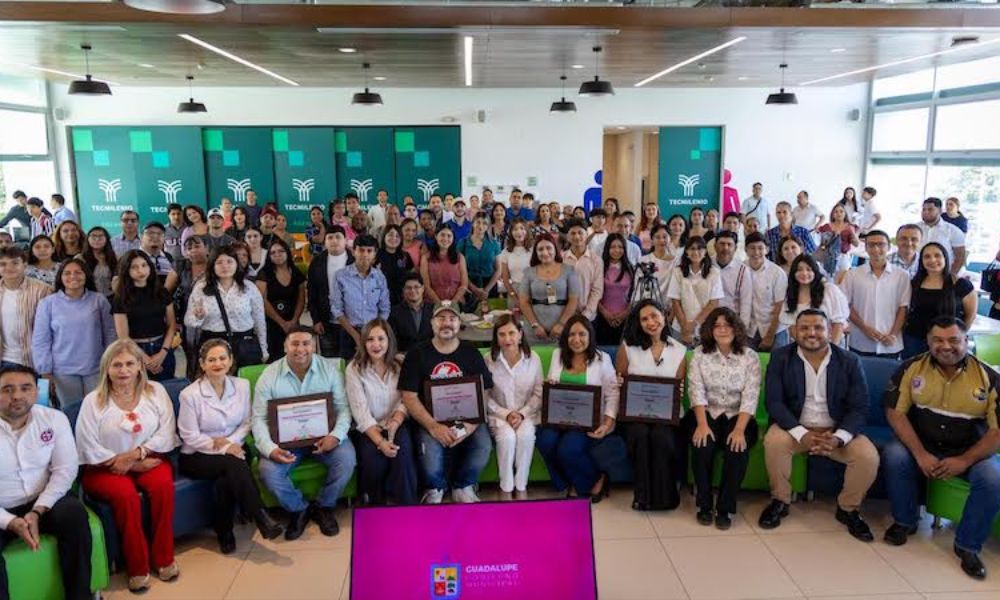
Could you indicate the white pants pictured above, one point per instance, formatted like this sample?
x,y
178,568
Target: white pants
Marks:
x,y
514,451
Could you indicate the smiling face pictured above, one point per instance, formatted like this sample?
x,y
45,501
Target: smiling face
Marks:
x,y
123,370
789,250
933,259
652,321
445,238
445,325
69,234
508,337
908,240
217,361
12,269
97,240
948,345
299,349
812,332
74,280
723,332
252,238
616,250
578,338
43,249
804,274
392,240
377,343
546,252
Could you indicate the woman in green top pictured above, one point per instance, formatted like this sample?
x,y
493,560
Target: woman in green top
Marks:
x,y
567,452
481,259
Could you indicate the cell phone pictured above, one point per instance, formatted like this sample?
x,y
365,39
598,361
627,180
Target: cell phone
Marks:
x,y
458,431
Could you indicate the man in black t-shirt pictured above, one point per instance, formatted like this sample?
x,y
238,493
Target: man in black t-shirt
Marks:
x,y
466,448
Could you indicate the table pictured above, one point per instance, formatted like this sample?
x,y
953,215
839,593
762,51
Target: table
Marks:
x,y
984,326
484,337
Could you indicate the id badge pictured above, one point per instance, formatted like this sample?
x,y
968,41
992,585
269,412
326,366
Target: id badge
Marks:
x,y
551,294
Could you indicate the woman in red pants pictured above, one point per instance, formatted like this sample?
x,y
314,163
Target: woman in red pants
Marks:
x,y
125,428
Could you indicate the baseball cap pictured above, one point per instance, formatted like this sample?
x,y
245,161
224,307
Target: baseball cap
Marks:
x,y
269,211
215,212
446,305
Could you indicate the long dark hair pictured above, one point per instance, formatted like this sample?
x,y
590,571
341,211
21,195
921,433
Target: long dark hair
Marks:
x,y
269,268
707,330
361,358
381,242
687,228
545,237
495,344
626,266
212,280
853,201
61,252
633,334
31,248
197,209
529,243
706,264
89,255
452,253
88,276
565,354
127,291
780,258
949,306
816,288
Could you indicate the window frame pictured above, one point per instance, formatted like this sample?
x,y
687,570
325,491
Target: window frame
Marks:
x,y
49,137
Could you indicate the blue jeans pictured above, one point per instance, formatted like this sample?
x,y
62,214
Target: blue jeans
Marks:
x,y
567,457
169,363
903,476
466,460
339,462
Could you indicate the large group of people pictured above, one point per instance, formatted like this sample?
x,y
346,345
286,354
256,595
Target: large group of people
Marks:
x,y
102,318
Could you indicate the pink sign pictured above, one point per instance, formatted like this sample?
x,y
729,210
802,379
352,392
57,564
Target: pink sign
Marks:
x,y
485,551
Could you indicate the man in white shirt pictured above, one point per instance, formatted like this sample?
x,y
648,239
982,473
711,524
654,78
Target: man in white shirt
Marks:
x,y
589,267
817,399
770,284
731,222
936,229
19,298
907,254
38,464
758,207
870,216
737,278
598,234
806,214
376,214
878,294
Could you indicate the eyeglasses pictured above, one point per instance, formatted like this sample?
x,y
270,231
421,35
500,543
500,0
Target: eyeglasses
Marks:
x,y
130,220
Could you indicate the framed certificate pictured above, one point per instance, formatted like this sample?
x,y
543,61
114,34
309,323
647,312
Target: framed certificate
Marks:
x,y
650,400
300,421
571,406
455,400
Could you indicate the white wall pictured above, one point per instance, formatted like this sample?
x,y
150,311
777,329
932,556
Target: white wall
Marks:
x,y
812,145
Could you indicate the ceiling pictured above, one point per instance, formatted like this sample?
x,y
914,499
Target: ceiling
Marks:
x,y
149,54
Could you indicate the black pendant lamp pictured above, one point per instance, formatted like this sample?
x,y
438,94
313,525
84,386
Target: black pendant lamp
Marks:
x,y
89,86
563,106
597,87
179,7
191,106
367,98
782,97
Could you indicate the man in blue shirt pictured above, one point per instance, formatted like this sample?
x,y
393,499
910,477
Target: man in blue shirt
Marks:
x,y
358,294
517,209
787,228
460,224
299,373
60,212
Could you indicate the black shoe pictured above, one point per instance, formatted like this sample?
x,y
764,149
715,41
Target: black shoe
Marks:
x,y
704,516
296,525
772,515
227,542
971,563
327,521
639,506
896,534
723,521
855,524
268,527
605,490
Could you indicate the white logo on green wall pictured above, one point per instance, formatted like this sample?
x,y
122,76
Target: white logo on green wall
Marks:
x,y
239,188
170,190
304,187
361,187
427,187
110,189
689,182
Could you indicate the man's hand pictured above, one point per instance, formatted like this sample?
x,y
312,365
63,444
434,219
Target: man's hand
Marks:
x,y
767,342
282,456
442,433
824,444
319,328
953,466
469,430
24,530
325,444
928,464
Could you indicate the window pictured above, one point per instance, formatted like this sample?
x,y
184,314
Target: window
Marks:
x,y
22,91
900,130
23,133
904,85
977,72
978,190
900,193
968,126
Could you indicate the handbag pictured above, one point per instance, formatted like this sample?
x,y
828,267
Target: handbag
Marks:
x,y
246,348
990,281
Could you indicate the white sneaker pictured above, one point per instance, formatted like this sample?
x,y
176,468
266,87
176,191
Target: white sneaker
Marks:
x,y
466,495
432,496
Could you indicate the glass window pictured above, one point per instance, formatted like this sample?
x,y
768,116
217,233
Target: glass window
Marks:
x,y
900,130
978,191
23,133
900,193
904,85
22,90
35,178
964,74
968,126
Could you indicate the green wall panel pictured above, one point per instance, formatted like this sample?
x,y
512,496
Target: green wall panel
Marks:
x,y
365,162
428,160
138,168
304,173
238,159
690,169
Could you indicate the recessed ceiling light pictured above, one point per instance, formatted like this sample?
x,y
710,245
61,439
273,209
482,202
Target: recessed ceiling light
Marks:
x,y
348,50
379,78
694,58
742,78
146,66
578,66
621,128
468,60
234,58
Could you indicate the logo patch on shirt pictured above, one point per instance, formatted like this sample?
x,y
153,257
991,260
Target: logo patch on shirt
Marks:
x,y
47,436
917,384
979,395
446,370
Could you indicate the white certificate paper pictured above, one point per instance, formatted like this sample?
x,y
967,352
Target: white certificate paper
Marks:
x,y
302,421
455,402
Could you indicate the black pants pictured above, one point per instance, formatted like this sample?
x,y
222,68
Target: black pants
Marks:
x,y
275,341
378,474
653,450
347,344
329,341
234,485
606,334
67,521
734,464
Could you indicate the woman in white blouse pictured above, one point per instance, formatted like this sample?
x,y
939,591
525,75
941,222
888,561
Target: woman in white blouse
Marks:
x,y
648,350
724,384
214,421
515,258
224,305
567,453
695,290
514,404
125,428
386,462
809,288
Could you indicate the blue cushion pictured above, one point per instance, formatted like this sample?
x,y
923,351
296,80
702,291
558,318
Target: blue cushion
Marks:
x,y
878,372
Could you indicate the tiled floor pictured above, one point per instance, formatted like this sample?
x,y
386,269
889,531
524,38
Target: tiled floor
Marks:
x,y
639,556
